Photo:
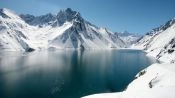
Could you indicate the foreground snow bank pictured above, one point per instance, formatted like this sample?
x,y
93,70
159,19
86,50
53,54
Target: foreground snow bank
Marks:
x,y
157,81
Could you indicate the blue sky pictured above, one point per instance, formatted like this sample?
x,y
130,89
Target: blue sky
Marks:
x,y
137,16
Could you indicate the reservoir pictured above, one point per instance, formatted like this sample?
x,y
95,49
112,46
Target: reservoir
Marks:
x,y
68,73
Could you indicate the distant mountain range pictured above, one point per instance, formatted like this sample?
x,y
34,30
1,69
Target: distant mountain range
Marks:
x,y
129,38
66,30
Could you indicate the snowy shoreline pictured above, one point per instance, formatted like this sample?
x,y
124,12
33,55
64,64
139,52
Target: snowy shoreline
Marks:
x,y
155,81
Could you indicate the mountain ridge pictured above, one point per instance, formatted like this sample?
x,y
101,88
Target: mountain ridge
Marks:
x,y
65,30
159,42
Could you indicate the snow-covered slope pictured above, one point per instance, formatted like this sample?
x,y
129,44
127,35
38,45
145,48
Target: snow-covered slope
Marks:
x,y
67,29
160,42
128,38
157,81
14,32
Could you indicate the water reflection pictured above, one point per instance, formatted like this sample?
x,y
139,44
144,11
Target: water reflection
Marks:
x,y
68,74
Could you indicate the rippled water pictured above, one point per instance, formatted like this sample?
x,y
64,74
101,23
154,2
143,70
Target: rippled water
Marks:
x,y
68,74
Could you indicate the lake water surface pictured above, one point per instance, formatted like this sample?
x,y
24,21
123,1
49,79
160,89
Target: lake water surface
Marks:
x,y
68,74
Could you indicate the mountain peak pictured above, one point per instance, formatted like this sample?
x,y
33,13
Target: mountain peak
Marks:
x,y
68,15
69,10
65,15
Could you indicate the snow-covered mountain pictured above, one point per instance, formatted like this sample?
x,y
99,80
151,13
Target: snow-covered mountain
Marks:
x,y
15,34
160,42
65,30
128,38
